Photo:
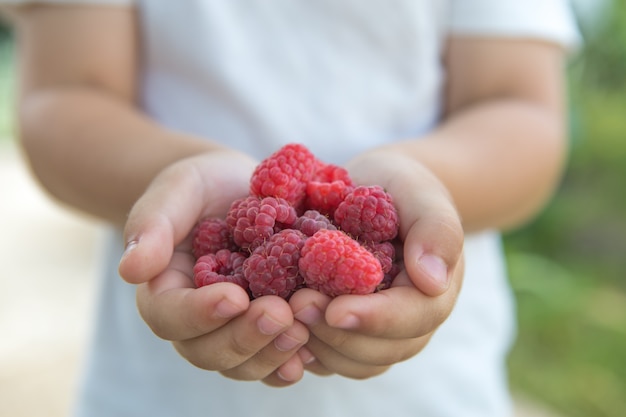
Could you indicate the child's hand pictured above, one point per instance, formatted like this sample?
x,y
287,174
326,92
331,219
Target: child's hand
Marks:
x,y
214,327
362,335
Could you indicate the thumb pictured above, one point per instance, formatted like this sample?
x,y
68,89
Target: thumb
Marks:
x,y
159,220
433,237
149,248
433,254
183,193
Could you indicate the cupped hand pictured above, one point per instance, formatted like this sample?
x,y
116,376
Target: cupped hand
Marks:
x,y
360,336
214,327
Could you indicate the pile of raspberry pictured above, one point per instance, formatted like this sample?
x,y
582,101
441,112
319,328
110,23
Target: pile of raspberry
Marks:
x,y
304,224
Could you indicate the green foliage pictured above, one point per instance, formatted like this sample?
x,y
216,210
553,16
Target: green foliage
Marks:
x,y
605,55
568,267
571,339
6,83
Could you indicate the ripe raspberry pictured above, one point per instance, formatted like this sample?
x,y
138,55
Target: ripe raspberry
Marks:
x,y
253,220
209,236
272,269
328,187
395,269
367,213
312,221
334,264
284,174
325,197
222,266
385,252
330,172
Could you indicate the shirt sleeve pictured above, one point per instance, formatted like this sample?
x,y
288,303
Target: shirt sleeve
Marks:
x,y
549,20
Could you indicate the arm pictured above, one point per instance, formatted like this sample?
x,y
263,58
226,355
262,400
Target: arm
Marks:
x,y
501,148
86,141
492,163
93,149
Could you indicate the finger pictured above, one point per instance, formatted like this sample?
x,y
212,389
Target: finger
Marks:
x,y
309,307
318,369
328,358
433,238
287,374
175,310
433,248
399,312
158,221
308,359
279,358
242,338
310,362
396,313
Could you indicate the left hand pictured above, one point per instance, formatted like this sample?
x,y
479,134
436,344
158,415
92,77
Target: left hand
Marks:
x,y
359,336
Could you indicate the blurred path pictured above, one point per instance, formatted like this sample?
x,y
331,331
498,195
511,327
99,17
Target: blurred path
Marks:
x,y
47,270
46,275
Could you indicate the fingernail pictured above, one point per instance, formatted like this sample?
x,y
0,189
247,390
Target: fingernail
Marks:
x,y
284,377
306,356
436,268
226,309
268,325
130,246
285,343
348,322
309,315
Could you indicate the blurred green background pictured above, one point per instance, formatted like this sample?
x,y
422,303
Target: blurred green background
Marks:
x,y
6,86
568,266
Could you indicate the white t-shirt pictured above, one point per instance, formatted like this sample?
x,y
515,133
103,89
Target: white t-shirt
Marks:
x,y
340,76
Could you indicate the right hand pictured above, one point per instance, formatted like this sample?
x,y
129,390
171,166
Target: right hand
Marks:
x,y
214,327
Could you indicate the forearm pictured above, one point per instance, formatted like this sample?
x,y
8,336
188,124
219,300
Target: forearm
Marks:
x,y
95,152
500,160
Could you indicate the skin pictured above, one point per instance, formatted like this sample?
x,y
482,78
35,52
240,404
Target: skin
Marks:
x,y
493,162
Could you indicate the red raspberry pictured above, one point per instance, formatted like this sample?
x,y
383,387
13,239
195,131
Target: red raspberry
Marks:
x,y
334,264
284,174
395,269
367,213
312,221
330,173
209,236
325,197
272,269
222,266
385,252
328,187
253,220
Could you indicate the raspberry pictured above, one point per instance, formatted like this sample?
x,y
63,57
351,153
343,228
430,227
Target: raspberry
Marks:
x,y
385,252
328,187
330,173
222,266
334,264
367,213
253,220
389,276
284,174
325,197
272,269
312,221
211,235
304,223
